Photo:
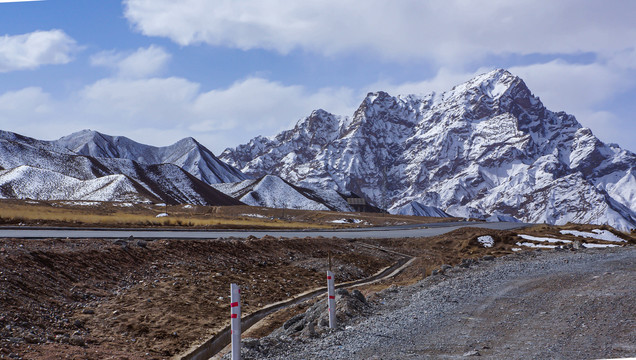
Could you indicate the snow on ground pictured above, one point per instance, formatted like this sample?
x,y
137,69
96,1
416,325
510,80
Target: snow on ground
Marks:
x,y
254,216
542,239
516,249
81,203
124,204
187,206
346,221
533,245
588,245
486,241
595,234
161,215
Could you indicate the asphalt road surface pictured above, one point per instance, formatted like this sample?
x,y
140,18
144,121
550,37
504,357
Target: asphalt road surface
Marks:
x,y
404,231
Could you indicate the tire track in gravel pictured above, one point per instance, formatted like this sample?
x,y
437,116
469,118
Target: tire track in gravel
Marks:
x,y
565,305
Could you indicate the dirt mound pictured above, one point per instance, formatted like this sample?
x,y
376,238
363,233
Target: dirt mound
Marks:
x,y
99,298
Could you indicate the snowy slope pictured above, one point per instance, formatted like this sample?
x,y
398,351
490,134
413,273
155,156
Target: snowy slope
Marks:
x,y
414,208
166,182
186,153
485,147
272,191
26,182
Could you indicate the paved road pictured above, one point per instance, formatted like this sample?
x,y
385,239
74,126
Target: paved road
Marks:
x,y
422,230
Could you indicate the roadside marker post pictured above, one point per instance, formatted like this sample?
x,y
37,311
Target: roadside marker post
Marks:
x,y
235,315
331,295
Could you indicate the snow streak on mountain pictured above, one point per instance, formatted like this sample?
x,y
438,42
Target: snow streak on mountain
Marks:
x,y
486,148
272,191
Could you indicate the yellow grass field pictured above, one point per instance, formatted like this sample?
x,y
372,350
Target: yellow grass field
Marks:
x,y
109,214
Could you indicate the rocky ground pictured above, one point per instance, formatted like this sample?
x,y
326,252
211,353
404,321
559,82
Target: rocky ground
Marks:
x,y
556,304
135,299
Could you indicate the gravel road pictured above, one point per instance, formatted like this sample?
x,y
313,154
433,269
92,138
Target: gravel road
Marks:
x,y
530,305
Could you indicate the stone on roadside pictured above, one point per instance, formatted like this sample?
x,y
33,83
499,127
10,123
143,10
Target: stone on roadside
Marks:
x,y
472,353
77,340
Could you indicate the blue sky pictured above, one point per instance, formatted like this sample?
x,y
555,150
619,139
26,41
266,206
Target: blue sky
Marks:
x,y
225,71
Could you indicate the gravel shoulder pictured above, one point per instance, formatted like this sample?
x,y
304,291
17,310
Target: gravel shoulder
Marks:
x,y
533,304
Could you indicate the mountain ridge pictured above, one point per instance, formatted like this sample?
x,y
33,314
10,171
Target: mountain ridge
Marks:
x,y
49,166
186,153
485,147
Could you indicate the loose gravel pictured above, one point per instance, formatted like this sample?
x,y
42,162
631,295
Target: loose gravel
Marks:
x,y
529,305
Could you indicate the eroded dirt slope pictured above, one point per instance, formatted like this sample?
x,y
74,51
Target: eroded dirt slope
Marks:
x,y
134,299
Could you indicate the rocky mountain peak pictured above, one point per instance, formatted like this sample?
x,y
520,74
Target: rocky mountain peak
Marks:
x,y
187,142
485,147
320,121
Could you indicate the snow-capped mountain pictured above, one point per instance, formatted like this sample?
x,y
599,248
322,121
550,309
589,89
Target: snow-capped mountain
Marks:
x,y
415,208
186,153
272,191
487,147
35,168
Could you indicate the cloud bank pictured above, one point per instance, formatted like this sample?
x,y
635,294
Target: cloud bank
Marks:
x,y
162,110
447,31
32,50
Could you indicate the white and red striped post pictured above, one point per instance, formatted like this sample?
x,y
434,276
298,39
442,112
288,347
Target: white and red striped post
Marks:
x,y
331,296
235,311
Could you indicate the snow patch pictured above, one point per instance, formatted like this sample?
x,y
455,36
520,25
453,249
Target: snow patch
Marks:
x,y
161,215
591,245
487,241
255,216
596,234
81,203
347,221
543,239
125,204
533,245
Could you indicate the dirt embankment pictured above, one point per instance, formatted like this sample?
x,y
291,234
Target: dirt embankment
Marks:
x,y
133,299
97,299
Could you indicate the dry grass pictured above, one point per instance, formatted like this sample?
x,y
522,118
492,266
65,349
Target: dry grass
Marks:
x,y
107,214
60,214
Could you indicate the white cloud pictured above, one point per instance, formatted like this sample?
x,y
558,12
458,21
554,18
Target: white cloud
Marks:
x,y
160,111
444,80
448,31
32,50
143,63
32,98
259,104
569,87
